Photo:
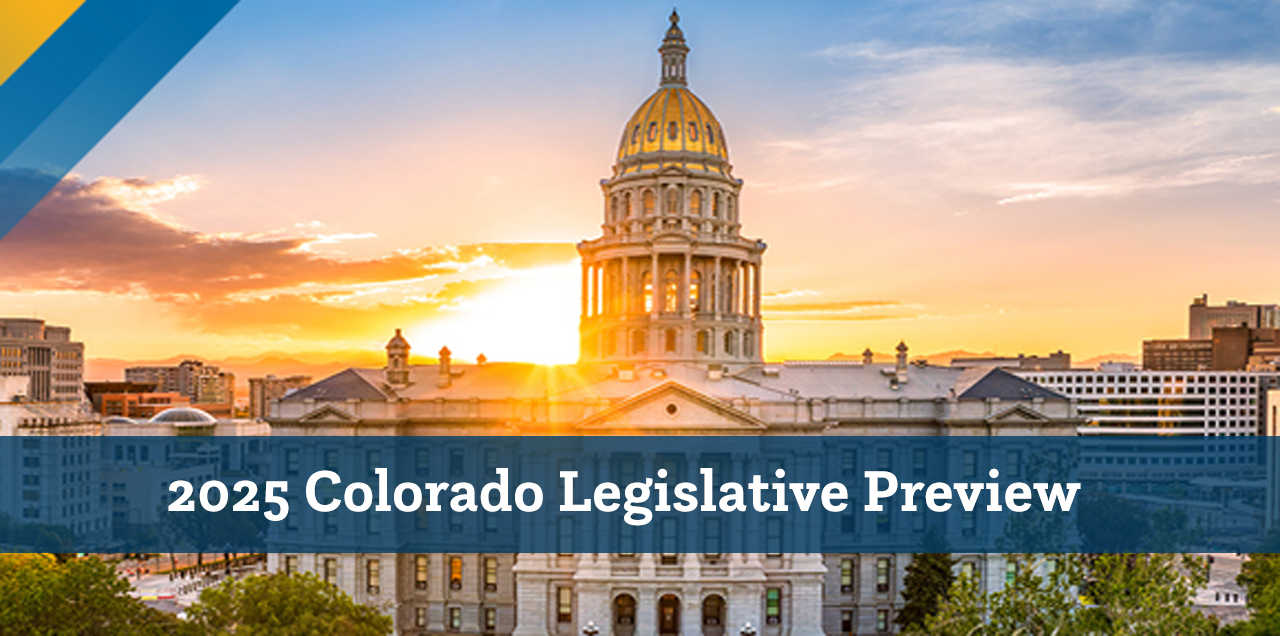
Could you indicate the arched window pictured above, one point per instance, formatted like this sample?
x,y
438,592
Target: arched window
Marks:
x,y
639,342
624,610
673,201
704,342
713,611
626,205
730,343
670,343
648,202
647,292
695,288
671,292
695,203
715,205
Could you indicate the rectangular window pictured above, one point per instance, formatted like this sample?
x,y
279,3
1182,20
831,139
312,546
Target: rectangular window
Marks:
x,y
969,569
1013,464
456,462
626,540
422,462
846,622
848,463
420,571
455,573
846,575
773,606
968,464
373,523
884,459
711,538
420,616
564,536
420,519
331,523
490,619
373,576
291,564
491,574
848,523
564,605
291,462
455,618
919,462
331,571
1010,572
882,620
773,536
968,524
668,539
882,522
882,575
373,459
331,460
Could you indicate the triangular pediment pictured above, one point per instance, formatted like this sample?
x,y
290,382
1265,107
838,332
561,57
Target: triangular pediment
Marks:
x,y
328,413
671,408
1017,413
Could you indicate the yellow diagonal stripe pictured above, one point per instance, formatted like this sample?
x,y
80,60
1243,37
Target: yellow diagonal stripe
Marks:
x,y
25,25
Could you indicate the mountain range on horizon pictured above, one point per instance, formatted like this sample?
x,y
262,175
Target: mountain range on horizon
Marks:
x,y
321,364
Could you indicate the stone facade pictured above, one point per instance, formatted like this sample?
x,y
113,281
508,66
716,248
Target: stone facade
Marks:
x,y
671,345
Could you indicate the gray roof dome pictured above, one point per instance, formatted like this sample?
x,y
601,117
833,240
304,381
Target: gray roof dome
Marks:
x,y
183,415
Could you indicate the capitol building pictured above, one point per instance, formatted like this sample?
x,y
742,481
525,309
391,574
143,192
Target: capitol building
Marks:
x,y
671,344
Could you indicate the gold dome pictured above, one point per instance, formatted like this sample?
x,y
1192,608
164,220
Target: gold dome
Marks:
x,y
673,127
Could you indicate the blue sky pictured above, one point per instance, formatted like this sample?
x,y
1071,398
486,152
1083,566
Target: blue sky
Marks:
x,y
1003,175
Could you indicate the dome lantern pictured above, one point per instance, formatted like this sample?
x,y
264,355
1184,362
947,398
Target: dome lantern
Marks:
x,y
674,51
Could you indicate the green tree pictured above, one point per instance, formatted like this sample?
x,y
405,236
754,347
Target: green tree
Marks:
x,y
39,595
285,604
1145,594
1260,577
1123,594
928,581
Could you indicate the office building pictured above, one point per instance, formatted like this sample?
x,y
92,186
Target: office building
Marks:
x,y
45,354
1203,317
263,391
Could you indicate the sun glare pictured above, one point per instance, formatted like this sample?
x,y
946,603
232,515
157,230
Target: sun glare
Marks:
x,y
532,317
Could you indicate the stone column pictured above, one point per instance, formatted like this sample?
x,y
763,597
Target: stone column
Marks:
x,y
585,268
627,292
656,279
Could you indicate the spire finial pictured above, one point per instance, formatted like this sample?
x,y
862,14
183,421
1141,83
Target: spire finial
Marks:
x,y
673,52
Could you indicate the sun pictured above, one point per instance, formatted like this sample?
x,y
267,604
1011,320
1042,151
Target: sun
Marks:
x,y
530,317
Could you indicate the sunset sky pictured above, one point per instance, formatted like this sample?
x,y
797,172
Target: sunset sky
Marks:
x,y
993,176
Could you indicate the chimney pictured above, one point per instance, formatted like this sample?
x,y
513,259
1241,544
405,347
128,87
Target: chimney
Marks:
x,y
397,373
901,366
446,374
868,357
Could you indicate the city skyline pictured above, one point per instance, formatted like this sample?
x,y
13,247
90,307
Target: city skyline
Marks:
x,y
1033,179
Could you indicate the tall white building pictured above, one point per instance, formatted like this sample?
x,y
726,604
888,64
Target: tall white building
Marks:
x,y
1121,399
671,342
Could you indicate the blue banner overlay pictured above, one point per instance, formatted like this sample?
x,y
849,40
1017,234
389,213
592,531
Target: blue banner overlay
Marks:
x,y
636,494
